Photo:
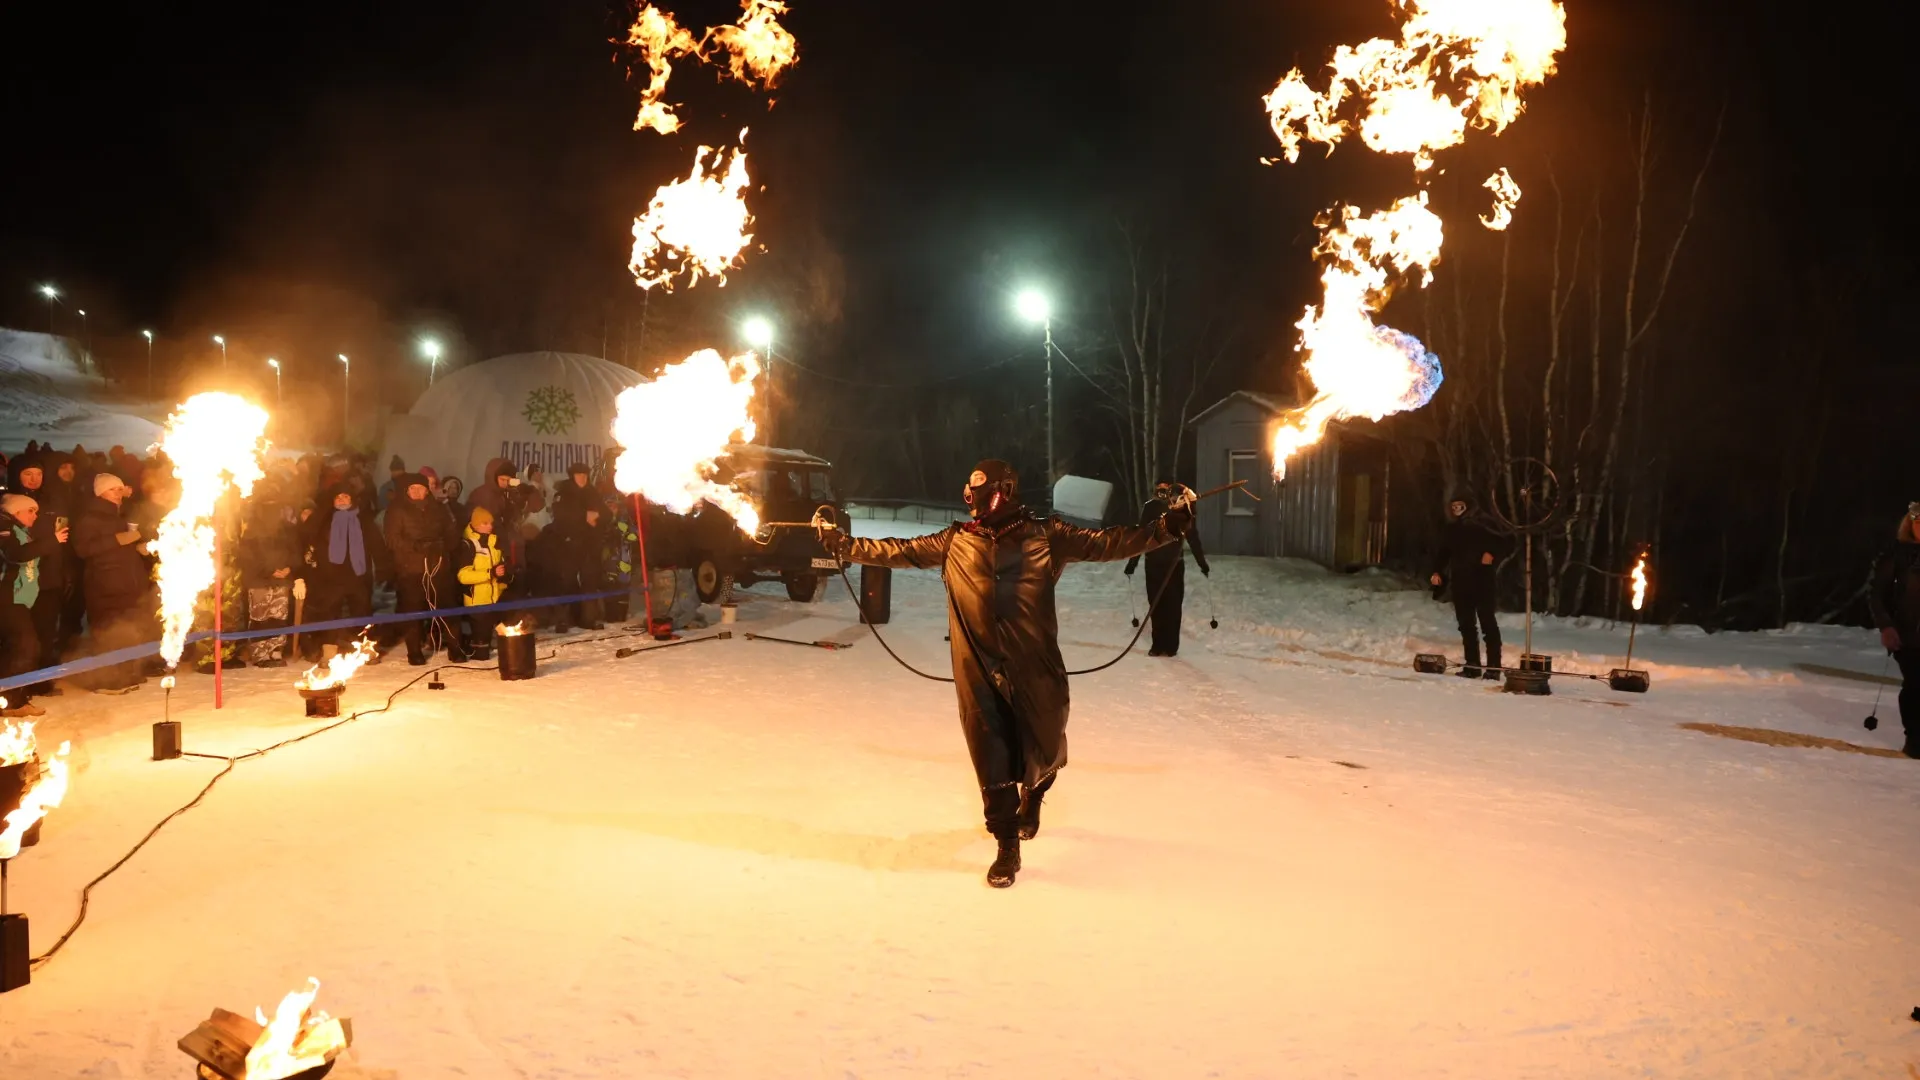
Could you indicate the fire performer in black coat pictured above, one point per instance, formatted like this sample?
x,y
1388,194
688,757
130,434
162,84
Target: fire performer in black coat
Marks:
x,y
1167,572
576,546
1895,603
1471,547
1000,570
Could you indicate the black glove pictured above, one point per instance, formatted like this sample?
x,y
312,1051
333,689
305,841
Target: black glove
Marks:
x,y
1205,570
1131,564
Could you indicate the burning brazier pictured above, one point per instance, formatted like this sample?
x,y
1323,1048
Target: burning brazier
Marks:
x,y
298,1043
515,644
323,683
29,787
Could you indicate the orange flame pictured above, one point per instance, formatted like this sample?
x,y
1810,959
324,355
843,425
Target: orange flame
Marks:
x,y
511,630
296,1039
1506,196
1639,577
757,50
339,667
48,791
16,741
697,225
1456,64
214,440
672,429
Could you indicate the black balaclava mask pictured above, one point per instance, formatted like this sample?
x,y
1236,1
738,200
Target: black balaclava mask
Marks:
x,y
992,493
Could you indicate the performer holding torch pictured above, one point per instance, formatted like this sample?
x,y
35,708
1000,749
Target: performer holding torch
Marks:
x,y
1000,569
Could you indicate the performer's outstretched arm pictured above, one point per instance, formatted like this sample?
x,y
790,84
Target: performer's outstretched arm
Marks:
x,y
920,553
1074,544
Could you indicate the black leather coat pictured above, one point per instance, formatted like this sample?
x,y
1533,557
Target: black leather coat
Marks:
x,y
1007,669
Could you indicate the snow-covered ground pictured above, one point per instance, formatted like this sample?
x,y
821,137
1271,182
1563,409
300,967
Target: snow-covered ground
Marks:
x,y
1282,854
46,395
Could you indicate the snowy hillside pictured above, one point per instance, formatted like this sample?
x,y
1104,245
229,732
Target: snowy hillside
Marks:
x,y
46,395
1282,854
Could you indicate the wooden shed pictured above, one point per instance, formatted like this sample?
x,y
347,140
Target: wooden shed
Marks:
x,y
1331,509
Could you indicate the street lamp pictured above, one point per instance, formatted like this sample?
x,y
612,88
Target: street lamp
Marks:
x,y
148,334
431,350
759,333
86,339
279,398
222,342
346,386
53,295
1033,307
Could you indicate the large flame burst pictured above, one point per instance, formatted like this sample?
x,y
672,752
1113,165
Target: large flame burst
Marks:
x,y
215,441
1457,64
697,225
297,1038
1639,579
672,429
757,49
48,791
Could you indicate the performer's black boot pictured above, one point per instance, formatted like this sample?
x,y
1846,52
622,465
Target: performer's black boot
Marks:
x,y
1493,661
1029,816
1471,646
1006,865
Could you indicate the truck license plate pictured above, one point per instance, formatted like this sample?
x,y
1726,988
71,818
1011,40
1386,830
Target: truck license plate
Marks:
x,y
825,564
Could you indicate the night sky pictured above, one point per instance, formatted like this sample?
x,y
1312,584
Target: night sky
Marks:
x,y
347,176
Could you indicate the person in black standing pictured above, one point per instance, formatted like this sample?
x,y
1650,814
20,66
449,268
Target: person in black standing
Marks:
x,y
576,547
117,584
1167,572
37,477
1895,603
1471,546
417,535
1000,570
347,555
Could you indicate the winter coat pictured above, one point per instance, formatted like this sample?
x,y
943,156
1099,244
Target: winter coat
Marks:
x,y
328,575
116,578
1004,631
1895,597
21,556
1166,559
417,534
270,543
55,501
1462,544
477,581
571,502
505,504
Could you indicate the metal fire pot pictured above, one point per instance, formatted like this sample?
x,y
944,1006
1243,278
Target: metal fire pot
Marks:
x,y
16,961
323,702
14,782
516,655
1430,663
166,740
1629,680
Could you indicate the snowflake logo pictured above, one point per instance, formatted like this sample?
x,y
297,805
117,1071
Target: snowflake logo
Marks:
x,y
551,410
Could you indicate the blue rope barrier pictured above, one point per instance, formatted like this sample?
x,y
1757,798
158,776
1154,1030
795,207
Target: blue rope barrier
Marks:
x,y
151,648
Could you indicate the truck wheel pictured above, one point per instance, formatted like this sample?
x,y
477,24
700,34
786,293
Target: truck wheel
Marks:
x,y
706,580
801,586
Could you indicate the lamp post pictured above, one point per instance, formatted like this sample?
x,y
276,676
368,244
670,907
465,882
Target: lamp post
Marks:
x,y
431,350
53,296
148,334
1033,306
760,336
279,399
222,342
86,340
346,386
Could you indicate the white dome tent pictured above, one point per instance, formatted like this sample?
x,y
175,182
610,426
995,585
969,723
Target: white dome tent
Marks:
x,y
548,409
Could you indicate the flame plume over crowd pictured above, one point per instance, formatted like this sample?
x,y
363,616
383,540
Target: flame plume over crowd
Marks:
x,y
698,225
215,441
1456,65
672,429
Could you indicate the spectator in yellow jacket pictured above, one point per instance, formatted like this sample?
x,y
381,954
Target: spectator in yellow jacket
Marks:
x,y
484,578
